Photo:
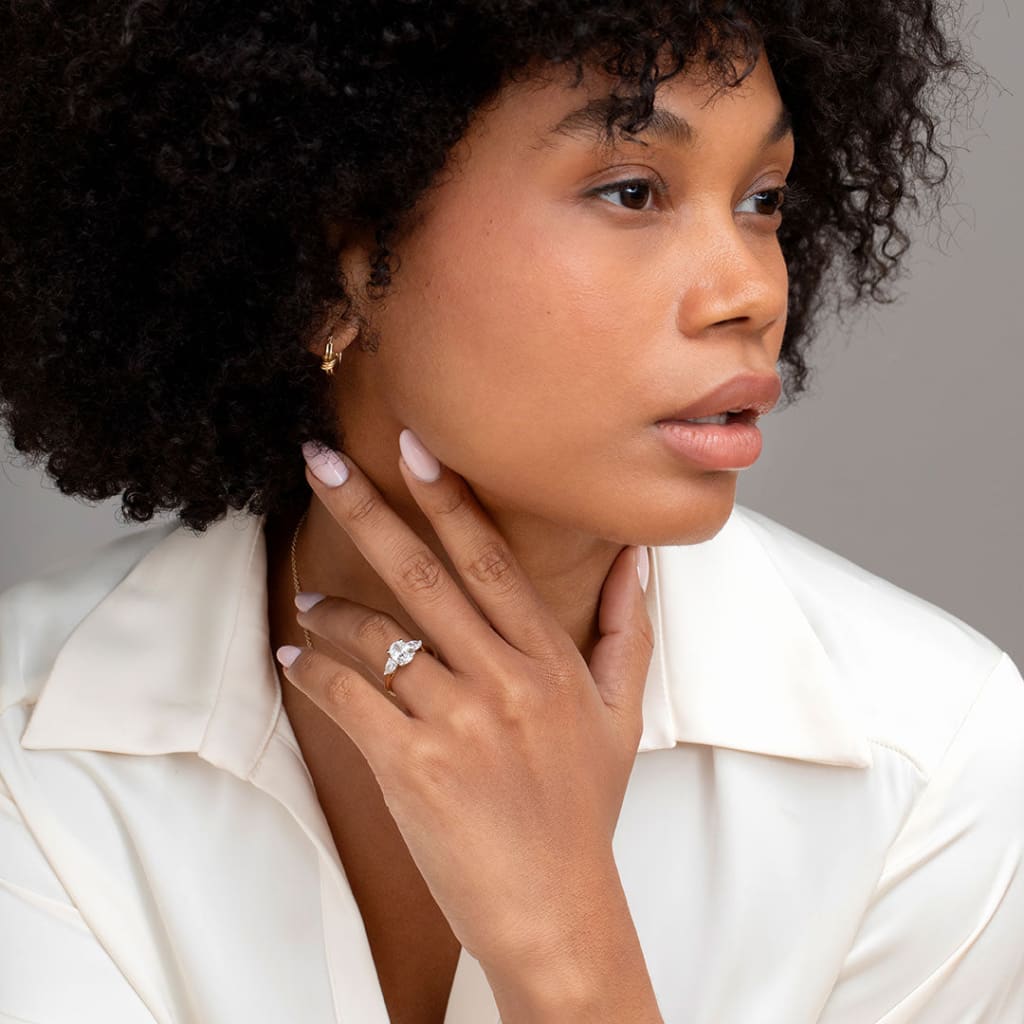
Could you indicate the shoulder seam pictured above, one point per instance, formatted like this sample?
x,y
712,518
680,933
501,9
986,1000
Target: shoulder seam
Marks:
x,y
1002,656
956,732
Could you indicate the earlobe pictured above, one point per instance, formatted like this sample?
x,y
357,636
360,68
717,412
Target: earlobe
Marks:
x,y
337,341
330,358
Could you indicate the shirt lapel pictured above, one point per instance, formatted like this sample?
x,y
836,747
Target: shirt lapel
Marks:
x,y
737,663
176,659
175,646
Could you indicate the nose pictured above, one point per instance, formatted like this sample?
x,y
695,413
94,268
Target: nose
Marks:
x,y
736,283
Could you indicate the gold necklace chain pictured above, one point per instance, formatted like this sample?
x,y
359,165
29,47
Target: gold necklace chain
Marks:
x,y
295,571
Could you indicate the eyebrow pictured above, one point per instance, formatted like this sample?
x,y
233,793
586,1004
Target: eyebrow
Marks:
x,y
589,122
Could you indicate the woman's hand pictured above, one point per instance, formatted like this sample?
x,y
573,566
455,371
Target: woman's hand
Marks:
x,y
507,769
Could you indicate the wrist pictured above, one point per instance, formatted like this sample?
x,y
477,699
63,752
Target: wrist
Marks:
x,y
584,963
620,992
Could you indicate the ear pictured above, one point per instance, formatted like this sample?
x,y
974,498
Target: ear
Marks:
x,y
351,247
351,253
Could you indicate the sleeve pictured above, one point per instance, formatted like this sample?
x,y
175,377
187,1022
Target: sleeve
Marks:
x,y
53,970
942,939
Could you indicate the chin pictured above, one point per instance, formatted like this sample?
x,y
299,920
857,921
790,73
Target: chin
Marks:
x,y
704,518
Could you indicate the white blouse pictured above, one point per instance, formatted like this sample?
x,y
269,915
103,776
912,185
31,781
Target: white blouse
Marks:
x,y
824,823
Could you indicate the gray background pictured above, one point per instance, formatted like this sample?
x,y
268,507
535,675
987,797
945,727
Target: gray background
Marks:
x,y
904,456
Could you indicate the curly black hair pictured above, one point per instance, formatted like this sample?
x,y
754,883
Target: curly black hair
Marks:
x,y
166,172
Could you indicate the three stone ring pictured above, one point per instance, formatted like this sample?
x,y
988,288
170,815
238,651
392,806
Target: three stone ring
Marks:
x,y
401,652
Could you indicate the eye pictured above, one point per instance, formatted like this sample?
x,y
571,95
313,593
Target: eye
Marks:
x,y
636,188
775,197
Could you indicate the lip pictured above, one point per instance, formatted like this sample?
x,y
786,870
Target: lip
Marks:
x,y
734,445
755,393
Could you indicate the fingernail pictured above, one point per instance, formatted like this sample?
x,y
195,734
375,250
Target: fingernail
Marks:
x,y
305,599
326,464
287,654
423,465
643,566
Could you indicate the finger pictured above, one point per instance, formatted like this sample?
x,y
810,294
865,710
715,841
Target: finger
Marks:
x,y
621,658
372,720
424,685
491,573
403,561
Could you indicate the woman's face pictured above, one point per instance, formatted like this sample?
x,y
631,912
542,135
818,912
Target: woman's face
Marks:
x,y
542,320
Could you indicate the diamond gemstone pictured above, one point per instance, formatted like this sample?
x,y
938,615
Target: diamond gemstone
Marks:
x,y
401,653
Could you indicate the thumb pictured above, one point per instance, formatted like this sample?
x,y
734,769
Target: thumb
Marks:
x,y
620,659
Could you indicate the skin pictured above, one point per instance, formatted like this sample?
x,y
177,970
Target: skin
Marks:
x,y
532,337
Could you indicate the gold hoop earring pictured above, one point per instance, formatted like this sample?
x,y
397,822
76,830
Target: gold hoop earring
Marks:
x,y
330,359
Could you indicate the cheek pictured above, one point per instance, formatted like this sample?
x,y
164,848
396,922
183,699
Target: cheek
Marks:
x,y
520,331
528,354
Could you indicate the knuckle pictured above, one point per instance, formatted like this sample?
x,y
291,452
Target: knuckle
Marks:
x,y
454,501
366,509
421,574
373,628
339,688
494,567
466,720
515,705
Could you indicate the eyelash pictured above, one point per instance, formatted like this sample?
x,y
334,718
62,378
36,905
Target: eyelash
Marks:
x,y
661,191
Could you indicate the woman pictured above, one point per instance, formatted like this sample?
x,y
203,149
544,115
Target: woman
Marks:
x,y
559,732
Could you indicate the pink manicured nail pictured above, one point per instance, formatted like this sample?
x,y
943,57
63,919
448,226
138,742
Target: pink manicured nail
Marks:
x,y
643,566
305,599
326,464
287,653
423,465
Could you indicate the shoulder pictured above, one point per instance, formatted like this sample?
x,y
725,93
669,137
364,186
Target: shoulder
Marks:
x,y
913,669
39,613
